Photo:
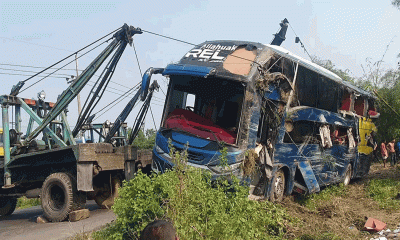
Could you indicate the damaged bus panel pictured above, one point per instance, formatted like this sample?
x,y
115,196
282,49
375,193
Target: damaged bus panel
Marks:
x,y
288,124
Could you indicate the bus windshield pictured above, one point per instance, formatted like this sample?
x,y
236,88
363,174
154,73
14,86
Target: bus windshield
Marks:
x,y
209,108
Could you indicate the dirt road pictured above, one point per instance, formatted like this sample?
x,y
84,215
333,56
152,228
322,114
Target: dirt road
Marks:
x,y
344,217
21,224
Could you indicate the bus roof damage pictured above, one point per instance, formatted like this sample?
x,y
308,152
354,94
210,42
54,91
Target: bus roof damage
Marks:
x,y
271,108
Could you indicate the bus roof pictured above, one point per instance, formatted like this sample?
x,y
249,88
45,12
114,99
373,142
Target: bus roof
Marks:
x,y
316,68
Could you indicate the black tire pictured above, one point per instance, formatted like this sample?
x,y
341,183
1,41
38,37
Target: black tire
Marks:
x,y
106,196
60,196
278,186
7,205
347,175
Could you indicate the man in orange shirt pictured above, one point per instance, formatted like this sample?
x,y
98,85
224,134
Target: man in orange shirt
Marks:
x,y
392,152
384,152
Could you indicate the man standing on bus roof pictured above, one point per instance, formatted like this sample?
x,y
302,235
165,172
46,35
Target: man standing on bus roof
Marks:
x,y
384,152
392,152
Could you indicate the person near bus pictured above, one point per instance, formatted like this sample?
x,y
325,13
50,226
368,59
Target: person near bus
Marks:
x,y
392,152
384,152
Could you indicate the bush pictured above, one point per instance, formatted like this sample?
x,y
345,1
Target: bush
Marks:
x,y
198,208
24,202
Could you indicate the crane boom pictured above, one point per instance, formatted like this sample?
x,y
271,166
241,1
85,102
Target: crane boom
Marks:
x,y
123,35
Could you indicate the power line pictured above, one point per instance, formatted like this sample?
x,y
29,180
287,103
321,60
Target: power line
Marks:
x,y
36,44
72,54
58,69
17,70
18,74
123,95
26,66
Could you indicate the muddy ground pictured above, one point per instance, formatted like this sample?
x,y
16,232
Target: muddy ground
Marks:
x,y
343,217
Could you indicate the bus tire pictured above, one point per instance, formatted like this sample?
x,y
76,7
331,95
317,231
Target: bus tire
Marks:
x,y
59,196
347,175
7,205
278,186
106,196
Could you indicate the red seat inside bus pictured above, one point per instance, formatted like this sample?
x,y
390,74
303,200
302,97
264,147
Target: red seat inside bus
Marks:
x,y
198,125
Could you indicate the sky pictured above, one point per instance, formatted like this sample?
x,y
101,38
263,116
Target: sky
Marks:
x,y
37,34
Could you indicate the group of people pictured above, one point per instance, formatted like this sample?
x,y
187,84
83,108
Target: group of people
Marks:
x,y
390,151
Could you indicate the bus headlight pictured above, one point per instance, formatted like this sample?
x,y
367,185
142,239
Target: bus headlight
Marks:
x,y
228,169
158,149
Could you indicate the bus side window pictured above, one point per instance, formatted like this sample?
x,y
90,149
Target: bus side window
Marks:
x,y
339,135
300,132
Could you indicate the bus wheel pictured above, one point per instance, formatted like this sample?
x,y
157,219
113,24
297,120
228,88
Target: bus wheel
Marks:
x,y
60,196
278,186
106,196
347,175
7,205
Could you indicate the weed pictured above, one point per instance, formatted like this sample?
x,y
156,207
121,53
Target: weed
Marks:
x,y
318,200
384,191
24,202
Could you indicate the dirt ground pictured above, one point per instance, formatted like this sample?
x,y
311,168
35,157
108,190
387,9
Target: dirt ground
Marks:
x,y
343,217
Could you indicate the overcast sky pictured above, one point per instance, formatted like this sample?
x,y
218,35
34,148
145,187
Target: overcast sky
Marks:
x,y
39,33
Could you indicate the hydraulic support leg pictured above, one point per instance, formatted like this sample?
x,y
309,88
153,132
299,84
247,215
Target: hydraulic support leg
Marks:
x,y
6,146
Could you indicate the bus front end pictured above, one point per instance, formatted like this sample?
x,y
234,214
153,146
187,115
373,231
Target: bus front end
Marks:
x,y
208,107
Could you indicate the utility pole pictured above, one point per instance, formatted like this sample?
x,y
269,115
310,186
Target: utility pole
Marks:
x,y
79,95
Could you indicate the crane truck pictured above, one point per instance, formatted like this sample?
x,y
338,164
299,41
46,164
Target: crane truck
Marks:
x,y
46,161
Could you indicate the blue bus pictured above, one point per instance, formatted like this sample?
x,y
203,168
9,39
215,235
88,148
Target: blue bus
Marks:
x,y
288,125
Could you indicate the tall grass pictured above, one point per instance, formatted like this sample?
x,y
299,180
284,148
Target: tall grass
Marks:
x,y
384,191
24,202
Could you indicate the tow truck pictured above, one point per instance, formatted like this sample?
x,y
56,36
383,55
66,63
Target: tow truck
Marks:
x,y
47,162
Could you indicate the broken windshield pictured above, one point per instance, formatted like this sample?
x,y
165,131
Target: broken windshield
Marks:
x,y
207,107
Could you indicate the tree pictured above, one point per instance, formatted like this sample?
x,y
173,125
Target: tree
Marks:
x,y
384,80
145,138
328,64
396,3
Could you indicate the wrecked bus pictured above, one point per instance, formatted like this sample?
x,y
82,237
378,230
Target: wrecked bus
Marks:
x,y
288,124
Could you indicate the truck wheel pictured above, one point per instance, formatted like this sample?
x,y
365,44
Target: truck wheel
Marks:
x,y
60,196
7,205
278,187
347,175
105,197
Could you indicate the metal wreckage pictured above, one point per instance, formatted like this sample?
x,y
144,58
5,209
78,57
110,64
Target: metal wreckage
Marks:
x,y
288,125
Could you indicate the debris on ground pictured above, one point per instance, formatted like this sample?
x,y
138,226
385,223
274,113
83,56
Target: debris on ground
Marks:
x,y
387,234
41,219
373,224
